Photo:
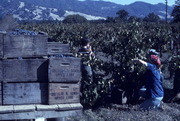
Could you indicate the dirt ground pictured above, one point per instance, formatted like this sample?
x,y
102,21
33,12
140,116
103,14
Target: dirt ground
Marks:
x,y
169,112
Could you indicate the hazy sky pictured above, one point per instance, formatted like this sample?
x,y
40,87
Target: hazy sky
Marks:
x,y
123,2
170,2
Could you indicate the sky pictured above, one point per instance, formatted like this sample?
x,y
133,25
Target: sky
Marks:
x,y
126,2
123,2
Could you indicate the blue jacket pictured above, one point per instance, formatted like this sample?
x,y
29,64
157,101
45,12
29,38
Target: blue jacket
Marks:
x,y
154,82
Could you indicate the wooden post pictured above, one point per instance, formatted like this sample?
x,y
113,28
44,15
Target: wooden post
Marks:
x,y
166,9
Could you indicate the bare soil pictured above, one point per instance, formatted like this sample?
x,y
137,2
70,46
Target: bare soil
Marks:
x,y
169,112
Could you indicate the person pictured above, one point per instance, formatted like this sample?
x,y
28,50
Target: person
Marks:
x,y
86,54
154,90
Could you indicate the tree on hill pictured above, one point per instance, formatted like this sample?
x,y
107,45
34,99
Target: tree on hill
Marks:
x,y
176,12
122,15
151,17
74,19
134,18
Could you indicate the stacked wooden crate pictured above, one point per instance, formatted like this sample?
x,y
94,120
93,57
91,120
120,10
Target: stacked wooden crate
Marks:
x,y
29,78
24,73
64,76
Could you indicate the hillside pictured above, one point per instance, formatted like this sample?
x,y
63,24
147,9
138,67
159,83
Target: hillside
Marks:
x,y
92,10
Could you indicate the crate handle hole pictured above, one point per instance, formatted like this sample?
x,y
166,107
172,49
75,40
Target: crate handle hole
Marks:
x,y
65,64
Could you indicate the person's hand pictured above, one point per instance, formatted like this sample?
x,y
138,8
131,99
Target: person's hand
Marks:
x,y
135,60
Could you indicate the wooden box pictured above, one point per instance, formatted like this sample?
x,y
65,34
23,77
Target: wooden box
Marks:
x,y
1,71
0,93
65,69
60,93
1,45
25,70
24,45
25,93
55,48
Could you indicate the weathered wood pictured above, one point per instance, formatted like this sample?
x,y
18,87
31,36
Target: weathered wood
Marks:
x,y
72,106
24,108
76,106
46,107
1,70
64,69
1,45
63,93
25,45
38,114
0,93
62,107
24,93
55,48
6,109
25,70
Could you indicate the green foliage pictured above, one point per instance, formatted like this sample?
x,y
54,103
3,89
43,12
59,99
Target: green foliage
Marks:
x,y
151,17
176,14
115,44
74,19
134,19
110,20
122,15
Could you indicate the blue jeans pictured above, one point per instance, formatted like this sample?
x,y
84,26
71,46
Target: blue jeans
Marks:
x,y
150,103
86,72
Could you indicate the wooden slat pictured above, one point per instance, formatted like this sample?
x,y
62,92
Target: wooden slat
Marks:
x,y
64,69
24,108
76,106
55,48
46,107
1,45
1,71
24,93
62,107
38,114
0,93
24,45
63,93
25,70
36,111
73,106
6,109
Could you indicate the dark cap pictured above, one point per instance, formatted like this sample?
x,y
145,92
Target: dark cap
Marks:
x,y
85,41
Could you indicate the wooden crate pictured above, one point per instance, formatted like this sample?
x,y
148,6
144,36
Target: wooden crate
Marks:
x,y
60,93
1,45
25,70
25,93
0,93
1,71
55,48
64,69
24,45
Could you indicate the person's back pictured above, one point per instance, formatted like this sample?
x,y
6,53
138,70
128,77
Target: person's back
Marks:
x,y
154,82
